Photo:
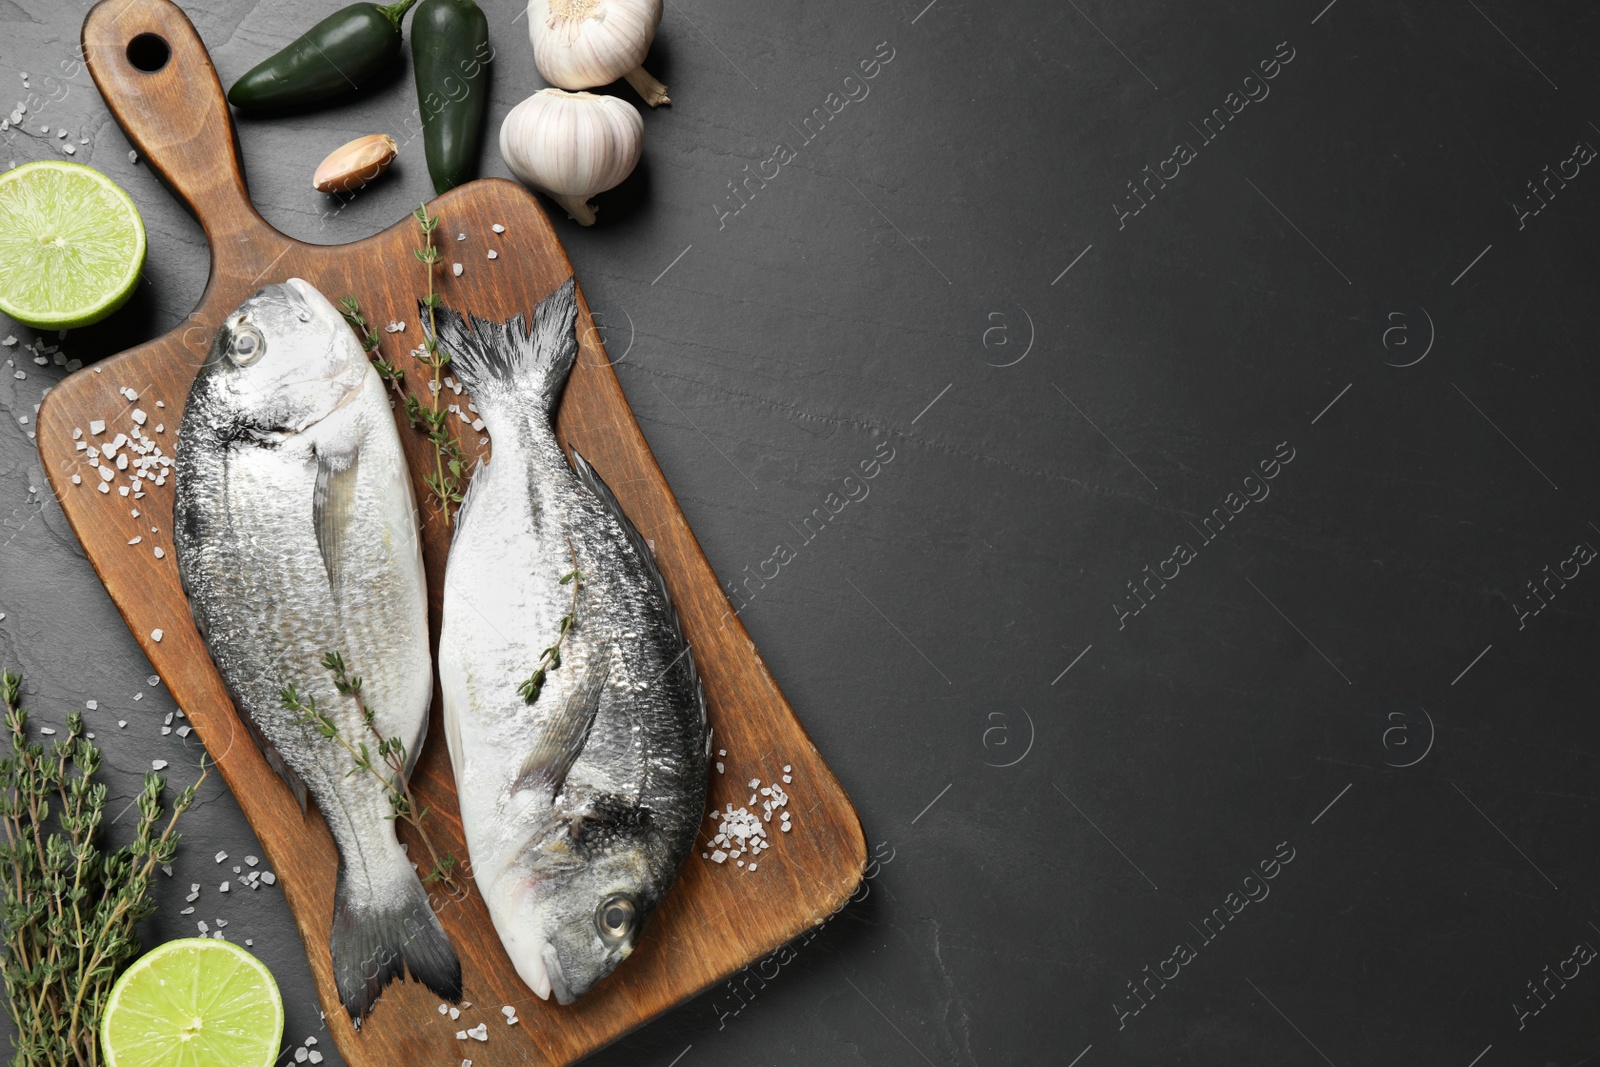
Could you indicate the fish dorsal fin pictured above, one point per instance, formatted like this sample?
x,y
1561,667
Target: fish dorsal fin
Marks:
x,y
591,478
546,768
332,507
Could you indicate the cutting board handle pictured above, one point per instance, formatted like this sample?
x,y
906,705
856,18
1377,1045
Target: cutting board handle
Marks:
x,y
155,75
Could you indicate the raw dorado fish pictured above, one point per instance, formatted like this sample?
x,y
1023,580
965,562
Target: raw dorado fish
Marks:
x,y
580,806
296,535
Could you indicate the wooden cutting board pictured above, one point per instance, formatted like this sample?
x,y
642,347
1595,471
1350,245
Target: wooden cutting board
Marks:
x,y
717,919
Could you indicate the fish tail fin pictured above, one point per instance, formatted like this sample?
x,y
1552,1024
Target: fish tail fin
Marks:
x,y
373,944
497,360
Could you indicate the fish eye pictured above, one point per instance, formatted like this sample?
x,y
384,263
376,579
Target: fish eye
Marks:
x,y
616,919
246,345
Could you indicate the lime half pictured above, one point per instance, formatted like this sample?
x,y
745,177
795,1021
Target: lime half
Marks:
x,y
197,1002
71,245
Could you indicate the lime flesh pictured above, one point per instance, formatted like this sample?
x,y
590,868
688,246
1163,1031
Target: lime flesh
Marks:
x,y
196,1002
71,245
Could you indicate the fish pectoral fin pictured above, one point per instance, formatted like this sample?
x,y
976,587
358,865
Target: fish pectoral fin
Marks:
x,y
333,507
545,770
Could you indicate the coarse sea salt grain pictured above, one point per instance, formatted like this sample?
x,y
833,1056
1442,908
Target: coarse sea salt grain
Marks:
x,y
456,268
158,765
155,635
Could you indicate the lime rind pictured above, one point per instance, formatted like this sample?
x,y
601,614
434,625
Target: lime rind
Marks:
x,y
195,1002
72,245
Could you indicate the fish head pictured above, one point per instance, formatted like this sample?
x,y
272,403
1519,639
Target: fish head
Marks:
x,y
577,911
283,361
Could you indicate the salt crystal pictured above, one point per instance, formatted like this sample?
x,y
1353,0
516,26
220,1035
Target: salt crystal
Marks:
x,y
300,1055
156,635
787,779
251,860
223,888
139,416
315,1056
269,878
443,1008
493,254
719,766
722,752
221,856
455,269
479,1032
508,1011
461,237
787,768
122,724
77,479
455,1013
718,856
133,157
160,552
158,764
68,149
461,1035
154,679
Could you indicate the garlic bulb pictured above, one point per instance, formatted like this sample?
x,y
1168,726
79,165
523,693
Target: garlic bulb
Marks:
x,y
572,146
583,44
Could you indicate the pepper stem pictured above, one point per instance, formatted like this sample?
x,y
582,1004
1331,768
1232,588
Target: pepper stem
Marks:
x,y
645,84
395,12
577,207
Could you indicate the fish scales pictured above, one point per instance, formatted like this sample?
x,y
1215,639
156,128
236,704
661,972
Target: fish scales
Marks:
x,y
579,807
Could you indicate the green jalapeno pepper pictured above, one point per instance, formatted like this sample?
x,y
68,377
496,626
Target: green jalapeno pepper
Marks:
x,y
450,55
344,52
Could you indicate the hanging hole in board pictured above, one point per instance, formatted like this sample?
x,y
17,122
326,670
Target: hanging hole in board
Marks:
x,y
148,53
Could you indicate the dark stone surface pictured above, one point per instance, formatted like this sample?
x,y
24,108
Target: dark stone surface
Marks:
x,y
1343,670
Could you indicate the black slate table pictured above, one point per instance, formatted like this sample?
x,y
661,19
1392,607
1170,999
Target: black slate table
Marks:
x,y
1211,657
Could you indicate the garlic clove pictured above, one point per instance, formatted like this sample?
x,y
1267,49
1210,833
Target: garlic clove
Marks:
x,y
584,44
353,165
572,146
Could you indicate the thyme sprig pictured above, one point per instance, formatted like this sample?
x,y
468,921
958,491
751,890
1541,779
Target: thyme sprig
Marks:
x,y
392,375
550,658
449,460
391,755
68,907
